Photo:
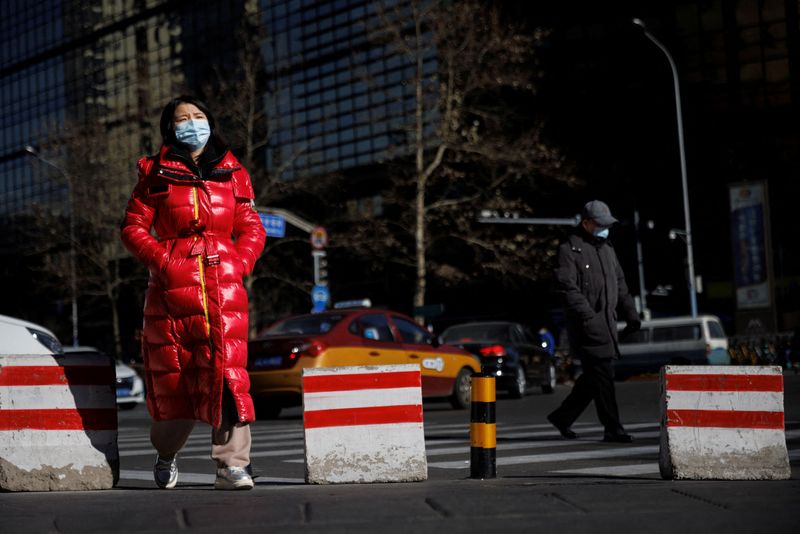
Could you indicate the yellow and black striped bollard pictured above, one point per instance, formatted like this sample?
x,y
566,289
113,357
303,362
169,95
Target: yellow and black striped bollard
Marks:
x,y
483,428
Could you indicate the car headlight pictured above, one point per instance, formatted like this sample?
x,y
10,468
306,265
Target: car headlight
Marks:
x,y
50,342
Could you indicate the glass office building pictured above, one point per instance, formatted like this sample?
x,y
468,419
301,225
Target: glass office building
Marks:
x,y
339,97
68,63
336,98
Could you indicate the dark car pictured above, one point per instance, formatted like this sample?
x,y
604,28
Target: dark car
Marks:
x,y
509,351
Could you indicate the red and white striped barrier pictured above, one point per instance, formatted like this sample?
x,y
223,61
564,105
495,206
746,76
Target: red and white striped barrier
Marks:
x,y
364,424
722,423
58,423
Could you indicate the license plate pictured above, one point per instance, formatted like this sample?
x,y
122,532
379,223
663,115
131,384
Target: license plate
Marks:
x,y
123,392
271,361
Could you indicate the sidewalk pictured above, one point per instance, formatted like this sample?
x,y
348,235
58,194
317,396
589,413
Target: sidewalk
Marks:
x,y
508,504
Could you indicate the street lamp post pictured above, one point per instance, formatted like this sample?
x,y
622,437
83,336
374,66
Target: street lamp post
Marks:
x,y
689,248
640,263
73,280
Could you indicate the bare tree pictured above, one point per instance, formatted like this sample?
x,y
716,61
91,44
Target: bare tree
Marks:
x,y
96,178
471,142
238,93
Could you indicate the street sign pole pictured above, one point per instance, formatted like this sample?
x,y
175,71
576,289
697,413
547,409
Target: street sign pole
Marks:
x,y
275,220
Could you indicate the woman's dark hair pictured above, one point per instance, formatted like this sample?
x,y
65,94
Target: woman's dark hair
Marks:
x,y
168,134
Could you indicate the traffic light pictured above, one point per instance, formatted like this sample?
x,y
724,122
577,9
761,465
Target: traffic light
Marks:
x,y
320,267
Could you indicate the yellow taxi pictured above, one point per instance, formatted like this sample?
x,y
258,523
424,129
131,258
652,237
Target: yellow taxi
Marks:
x,y
347,337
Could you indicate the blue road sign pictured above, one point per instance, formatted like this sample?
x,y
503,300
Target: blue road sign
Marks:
x,y
275,225
320,296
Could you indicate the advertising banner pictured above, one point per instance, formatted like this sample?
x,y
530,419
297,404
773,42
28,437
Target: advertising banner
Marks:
x,y
749,226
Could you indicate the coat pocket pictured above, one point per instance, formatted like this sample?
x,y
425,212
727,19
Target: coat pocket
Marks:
x,y
595,330
158,190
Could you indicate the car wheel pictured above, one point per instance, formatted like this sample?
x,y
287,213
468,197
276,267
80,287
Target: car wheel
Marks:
x,y
462,390
549,381
267,410
127,405
520,385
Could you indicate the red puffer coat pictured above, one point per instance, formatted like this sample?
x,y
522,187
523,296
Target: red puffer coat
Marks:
x,y
195,333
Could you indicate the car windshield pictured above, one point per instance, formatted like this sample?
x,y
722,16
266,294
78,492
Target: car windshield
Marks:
x,y
305,325
476,333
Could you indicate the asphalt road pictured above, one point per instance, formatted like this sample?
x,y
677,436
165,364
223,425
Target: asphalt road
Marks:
x,y
544,483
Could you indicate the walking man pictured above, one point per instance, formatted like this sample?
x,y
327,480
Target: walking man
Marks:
x,y
593,287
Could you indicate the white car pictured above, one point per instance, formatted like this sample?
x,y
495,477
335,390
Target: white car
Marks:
x,y
18,338
130,387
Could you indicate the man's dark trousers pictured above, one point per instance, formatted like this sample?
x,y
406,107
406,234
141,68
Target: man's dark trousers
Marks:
x,y
596,383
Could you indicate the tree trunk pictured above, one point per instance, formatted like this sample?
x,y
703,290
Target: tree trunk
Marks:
x,y
419,205
112,281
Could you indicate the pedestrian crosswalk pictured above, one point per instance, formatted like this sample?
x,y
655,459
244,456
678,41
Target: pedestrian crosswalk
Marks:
x,y
533,448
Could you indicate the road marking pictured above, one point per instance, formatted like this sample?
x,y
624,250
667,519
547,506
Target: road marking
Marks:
x,y
200,443
557,457
512,431
204,435
202,478
616,471
258,454
531,444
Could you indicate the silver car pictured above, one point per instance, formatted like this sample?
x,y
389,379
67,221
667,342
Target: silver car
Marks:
x,y
130,387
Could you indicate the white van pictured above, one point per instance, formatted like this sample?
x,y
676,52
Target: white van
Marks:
x,y
674,341
18,337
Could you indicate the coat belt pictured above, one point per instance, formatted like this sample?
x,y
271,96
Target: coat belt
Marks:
x,y
201,246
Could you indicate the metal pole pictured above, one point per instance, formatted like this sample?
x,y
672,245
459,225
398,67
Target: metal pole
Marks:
x,y
689,248
73,277
640,261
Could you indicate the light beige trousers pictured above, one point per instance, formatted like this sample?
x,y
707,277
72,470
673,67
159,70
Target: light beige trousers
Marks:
x,y
230,443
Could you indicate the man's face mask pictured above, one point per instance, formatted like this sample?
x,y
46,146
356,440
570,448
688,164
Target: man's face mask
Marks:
x,y
193,133
601,232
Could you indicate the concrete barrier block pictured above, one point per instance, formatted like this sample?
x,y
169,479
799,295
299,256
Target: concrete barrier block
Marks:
x,y
58,423
723,423
364,424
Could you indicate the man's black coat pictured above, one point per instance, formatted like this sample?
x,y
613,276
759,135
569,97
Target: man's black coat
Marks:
x,y
593,286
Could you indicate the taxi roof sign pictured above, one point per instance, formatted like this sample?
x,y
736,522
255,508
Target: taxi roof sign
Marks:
x,y
358,303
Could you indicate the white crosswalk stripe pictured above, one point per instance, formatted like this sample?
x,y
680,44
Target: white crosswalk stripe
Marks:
x,y
557,457
202,478
448,447
614,471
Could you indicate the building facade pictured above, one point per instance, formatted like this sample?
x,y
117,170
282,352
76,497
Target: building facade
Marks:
x,y
67,63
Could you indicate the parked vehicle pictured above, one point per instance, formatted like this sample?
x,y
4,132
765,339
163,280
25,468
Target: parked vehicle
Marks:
x,y
674,341
349,337
508,350
129,386
19,337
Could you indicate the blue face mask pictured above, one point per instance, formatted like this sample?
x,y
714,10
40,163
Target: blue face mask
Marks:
x,y
193,133
602,233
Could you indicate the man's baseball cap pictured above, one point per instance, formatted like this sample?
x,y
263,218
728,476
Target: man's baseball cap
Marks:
x,y
598,211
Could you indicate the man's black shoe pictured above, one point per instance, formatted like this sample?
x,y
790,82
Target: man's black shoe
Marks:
x,y
618,438
565,432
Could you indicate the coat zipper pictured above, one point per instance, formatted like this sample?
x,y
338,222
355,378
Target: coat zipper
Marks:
x,y
200,265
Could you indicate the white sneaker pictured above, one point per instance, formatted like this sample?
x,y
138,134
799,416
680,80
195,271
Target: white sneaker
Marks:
x,y
233,478
165,472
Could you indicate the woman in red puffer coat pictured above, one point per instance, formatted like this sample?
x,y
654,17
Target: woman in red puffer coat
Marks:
x,y
199,200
